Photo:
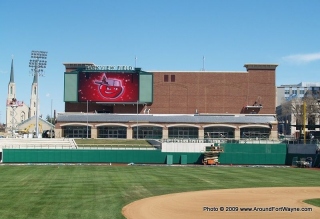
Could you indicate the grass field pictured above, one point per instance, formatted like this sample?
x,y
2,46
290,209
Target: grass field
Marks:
x,y
84,191
315,202
112,142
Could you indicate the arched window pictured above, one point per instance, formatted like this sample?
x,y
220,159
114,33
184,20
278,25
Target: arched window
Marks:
x,y
183,132
112,132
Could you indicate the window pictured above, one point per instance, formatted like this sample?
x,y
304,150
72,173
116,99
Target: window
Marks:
x,y
76,131
147,132
173,78
219,132
255,132
287,90
112,132
166,78
182,132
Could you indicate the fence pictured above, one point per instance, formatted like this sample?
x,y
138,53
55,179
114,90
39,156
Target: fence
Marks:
x,y
236,154
221,140
254,154
97,156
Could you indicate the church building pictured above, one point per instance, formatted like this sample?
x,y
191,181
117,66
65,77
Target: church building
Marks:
x,y
20,118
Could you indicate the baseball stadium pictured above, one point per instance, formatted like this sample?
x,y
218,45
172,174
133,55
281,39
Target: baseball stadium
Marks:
x,y
161,144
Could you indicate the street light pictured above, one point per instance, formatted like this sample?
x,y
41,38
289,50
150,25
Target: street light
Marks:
x,y
37,63
137,119
51,120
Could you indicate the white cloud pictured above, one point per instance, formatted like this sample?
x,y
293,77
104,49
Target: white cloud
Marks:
x,y
302,58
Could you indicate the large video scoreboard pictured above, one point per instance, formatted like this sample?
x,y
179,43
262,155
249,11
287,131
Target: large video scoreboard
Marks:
x,y
109,86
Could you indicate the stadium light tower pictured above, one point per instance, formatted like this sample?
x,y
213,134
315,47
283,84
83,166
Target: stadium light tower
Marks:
x,y
37,64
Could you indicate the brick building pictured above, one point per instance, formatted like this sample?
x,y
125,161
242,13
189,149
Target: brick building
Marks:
x,y
121,101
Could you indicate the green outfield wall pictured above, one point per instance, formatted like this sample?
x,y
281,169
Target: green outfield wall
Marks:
x,y
98,156
254,154
236,154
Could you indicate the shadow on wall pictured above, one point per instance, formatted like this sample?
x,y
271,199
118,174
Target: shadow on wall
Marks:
x,y
298,152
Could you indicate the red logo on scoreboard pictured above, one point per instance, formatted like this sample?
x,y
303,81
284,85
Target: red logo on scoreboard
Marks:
x,y
108,87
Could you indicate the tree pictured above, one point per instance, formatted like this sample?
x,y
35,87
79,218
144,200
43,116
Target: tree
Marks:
x,y
295,109
50,119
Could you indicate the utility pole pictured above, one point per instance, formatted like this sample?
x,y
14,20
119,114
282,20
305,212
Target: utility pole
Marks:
x,y
137,119
37,63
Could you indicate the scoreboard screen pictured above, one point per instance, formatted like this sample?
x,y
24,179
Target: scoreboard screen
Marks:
x,y
108,87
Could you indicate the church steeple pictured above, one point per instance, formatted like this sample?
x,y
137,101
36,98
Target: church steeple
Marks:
x,y
11,86
16,111
11,73
11,95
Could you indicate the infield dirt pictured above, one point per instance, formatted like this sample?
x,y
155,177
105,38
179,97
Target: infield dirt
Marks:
x,y
268,203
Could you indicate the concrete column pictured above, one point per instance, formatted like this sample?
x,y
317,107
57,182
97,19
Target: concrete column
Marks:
x,y
129,133
237,134
94,132
165,133
58,133
201,133
273,135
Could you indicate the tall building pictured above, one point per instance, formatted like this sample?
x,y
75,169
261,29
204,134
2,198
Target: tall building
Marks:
x,y
292,92
16,111
125,102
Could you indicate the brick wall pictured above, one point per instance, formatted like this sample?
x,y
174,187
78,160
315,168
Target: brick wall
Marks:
x,y
204,92
212,92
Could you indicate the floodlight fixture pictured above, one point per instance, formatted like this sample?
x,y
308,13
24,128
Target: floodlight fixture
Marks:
x,y
37,64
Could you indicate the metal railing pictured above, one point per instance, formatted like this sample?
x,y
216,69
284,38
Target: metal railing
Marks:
x,y
115,147
221,140
300,141
34,146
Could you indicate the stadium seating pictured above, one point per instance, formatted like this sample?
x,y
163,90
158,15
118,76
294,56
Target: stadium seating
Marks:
x,y
38,143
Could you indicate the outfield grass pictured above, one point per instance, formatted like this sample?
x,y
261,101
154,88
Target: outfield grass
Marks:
x,y
315,202
112,142
84,191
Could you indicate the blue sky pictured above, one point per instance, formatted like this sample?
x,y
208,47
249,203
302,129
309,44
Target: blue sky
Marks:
x,y
162,34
